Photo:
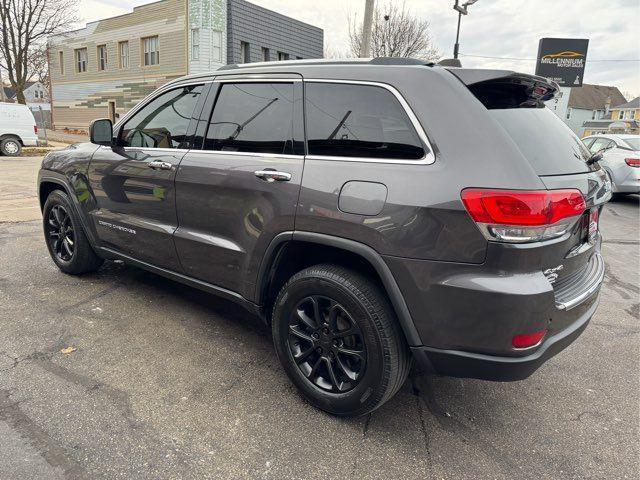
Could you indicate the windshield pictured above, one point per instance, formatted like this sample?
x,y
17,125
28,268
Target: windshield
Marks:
x,y
633,143
549,145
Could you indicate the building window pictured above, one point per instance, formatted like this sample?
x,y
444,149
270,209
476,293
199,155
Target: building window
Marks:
x,y
216,45
245,52
81,60
195,43
298,58
568,113
620,115
151,53
61,61
102,57
265,54
123,54
283,56
632,114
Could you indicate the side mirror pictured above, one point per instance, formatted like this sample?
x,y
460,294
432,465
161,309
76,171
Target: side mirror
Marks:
x,y
101,132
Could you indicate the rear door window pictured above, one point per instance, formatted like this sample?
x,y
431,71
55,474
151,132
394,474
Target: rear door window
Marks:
x,y
548,144
588,141
351,120
252,118
599,144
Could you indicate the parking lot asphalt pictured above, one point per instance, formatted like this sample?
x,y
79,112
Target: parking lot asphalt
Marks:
x,y
169,382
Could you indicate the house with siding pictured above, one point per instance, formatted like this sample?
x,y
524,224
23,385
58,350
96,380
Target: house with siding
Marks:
x,y
590,102
624,118
35,94
107,67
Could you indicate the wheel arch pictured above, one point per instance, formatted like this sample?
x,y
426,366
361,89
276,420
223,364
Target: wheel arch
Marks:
x,y
48,181
320,248
46,187
12,135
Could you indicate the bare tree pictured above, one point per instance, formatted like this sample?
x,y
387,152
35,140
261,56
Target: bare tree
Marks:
x,y
37,64
396,32
25,26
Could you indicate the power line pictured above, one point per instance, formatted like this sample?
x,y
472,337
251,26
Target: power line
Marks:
x,y
533,59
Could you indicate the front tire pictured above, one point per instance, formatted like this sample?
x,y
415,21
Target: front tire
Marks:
x,y
11,147
338,340
67,243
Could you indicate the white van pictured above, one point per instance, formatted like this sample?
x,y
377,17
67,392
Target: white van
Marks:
x,y
17,129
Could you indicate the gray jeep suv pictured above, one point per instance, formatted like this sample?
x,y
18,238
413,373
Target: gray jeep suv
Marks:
x,y
372,212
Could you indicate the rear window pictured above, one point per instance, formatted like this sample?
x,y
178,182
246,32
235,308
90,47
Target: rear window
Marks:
x,y
549,145
633,143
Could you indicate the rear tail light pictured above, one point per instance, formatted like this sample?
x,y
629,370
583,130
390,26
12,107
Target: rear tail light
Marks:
x,y
519,216
632,162
35,129
527,340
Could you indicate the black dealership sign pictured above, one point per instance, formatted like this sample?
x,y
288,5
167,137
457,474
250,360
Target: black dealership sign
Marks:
x,y
562,60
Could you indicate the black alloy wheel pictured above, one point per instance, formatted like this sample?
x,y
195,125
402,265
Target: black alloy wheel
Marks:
x,y
327,344
338,340
66,241
60,233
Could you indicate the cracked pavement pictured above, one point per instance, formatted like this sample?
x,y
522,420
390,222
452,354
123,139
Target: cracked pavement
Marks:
x,y
169,382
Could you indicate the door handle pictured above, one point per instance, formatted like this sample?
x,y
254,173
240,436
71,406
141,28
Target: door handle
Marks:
x,y
157,164
273,175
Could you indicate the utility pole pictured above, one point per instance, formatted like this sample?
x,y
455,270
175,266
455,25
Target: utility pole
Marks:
x,y
365,48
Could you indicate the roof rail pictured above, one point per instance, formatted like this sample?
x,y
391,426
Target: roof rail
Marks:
x,y
325,61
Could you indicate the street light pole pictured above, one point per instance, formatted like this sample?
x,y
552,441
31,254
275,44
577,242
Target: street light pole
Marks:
x,y
456,47
462,10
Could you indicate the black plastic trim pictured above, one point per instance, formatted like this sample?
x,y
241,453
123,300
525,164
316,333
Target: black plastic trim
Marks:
x,y
455,363
185,279
49,176
366,252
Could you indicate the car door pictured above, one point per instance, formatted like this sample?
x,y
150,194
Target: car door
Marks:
x,y
241,188
133,182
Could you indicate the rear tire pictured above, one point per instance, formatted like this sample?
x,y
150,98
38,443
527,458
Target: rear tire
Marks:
x,y
11,147
65,238
339,341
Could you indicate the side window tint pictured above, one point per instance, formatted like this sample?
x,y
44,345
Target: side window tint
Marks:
x,y
358,121
599,144
253,118
163,122
587,142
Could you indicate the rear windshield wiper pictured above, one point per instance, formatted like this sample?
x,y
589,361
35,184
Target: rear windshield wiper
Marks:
x,y
595,158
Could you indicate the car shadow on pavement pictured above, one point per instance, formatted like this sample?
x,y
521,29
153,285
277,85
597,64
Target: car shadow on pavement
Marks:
x,y
426,404
626,199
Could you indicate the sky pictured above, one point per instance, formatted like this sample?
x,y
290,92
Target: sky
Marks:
x,y
509,29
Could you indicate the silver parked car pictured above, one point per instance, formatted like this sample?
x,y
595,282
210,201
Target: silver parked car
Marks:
x,y
620,158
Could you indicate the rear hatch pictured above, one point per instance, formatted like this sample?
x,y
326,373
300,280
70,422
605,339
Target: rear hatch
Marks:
x,y
556,154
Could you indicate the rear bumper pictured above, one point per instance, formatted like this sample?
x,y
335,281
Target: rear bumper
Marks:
x,y
499,368
30,141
